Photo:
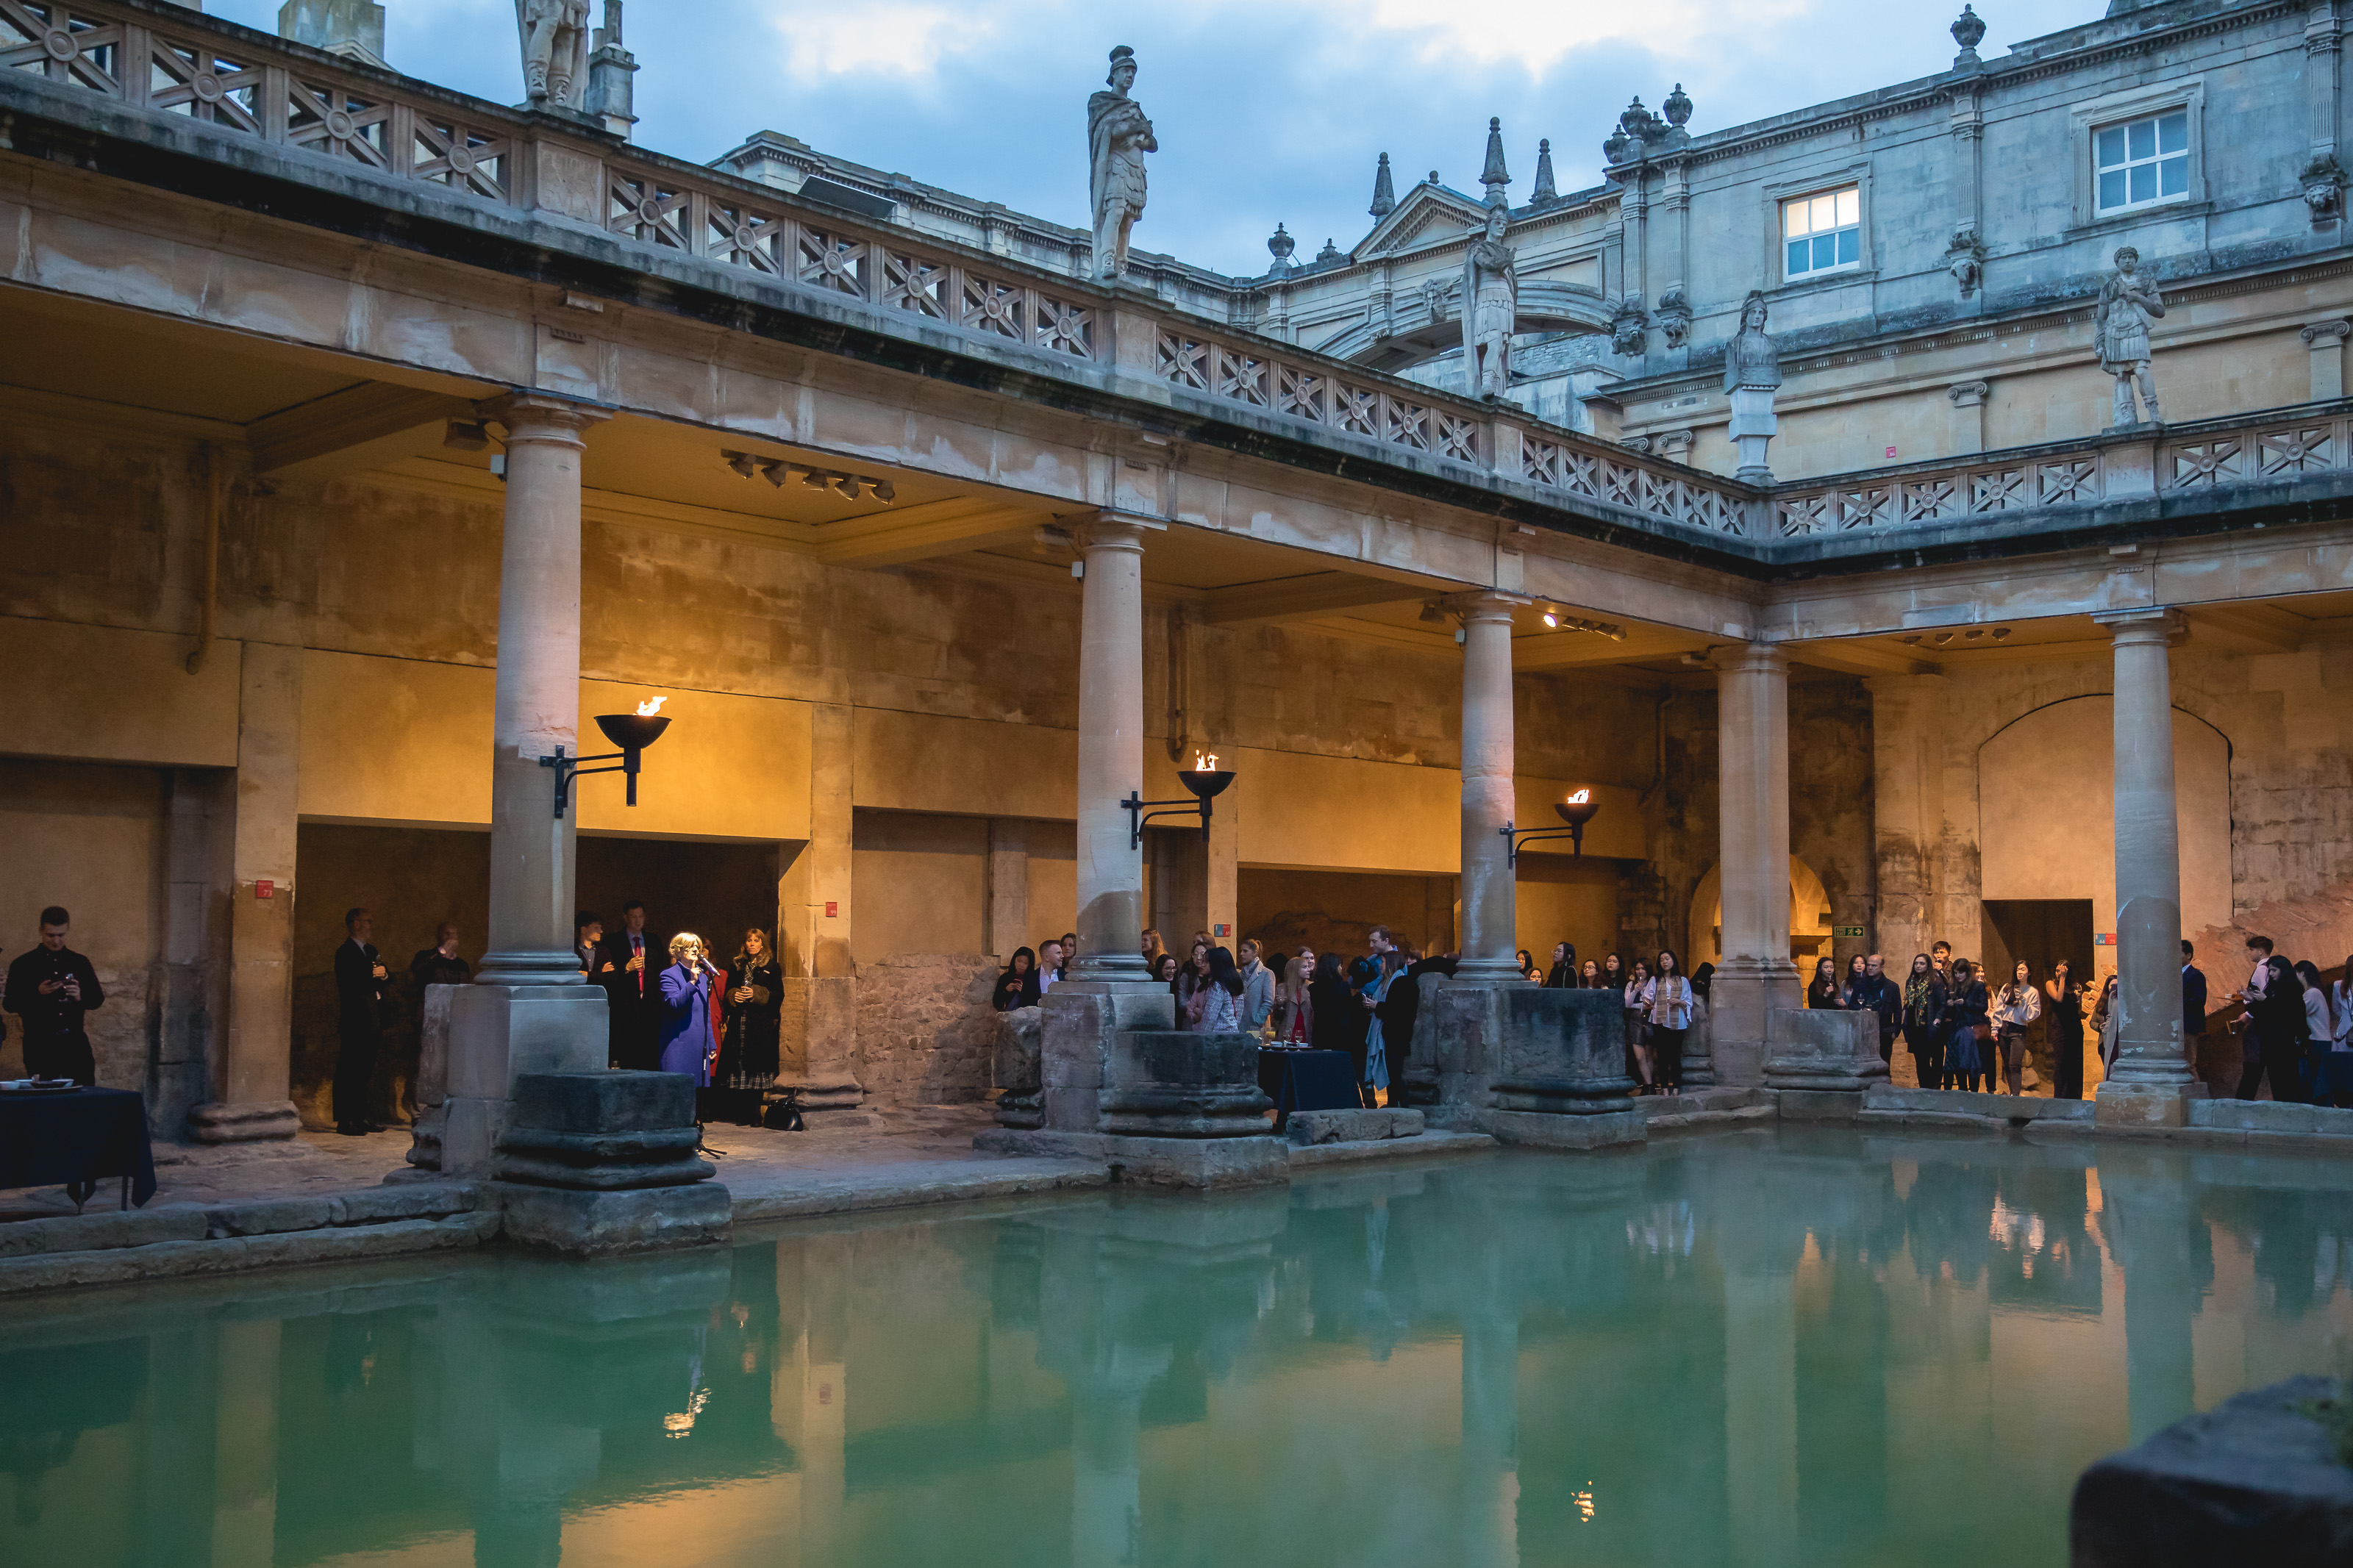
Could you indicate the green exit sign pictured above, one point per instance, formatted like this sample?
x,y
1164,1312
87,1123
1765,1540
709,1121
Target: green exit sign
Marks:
x,y
1843,932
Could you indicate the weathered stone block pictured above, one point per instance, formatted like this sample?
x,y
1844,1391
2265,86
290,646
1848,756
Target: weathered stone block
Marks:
x,y
2127,1108
1550,1130
1017,1067
1559,1052
1082,1020
1221,1162
611,1224
1310,1127
605,1131
2253,1481
103,1231
1820,1104
1169,1083
1836,1051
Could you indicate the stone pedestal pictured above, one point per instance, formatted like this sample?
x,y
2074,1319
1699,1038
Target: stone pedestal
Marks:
x,y
597,1163
1168,1083
1833,1051
1082,1019
1017,1067
1561,1052
1752,429
432,1082
498,1033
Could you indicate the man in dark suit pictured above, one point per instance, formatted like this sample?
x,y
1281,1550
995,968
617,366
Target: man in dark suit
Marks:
x,y
632,980
50,988
2193,1006
359,1023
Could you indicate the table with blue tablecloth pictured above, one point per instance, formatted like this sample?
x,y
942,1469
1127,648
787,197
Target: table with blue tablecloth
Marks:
x,y
1308,1080
75,1139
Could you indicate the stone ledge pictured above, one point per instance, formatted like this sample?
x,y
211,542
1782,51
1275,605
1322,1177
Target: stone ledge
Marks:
x,y
1353,1126
179,1260
1315,1156
103,1232
1157,1162
1554,1130
1040,1176
369,1205
1988,1107
2252,1481
1713,1120
605,1223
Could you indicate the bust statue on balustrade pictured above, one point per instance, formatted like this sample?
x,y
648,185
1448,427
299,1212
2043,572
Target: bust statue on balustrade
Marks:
x,y
1752,375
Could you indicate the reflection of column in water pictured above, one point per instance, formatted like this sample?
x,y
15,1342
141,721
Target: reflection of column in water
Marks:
x,y
809,1398
2155,1238
1491,1443
245,1444
1760,1418
1106,1479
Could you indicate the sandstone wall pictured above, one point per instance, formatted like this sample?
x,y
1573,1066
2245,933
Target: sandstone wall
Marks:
x,y
926,1031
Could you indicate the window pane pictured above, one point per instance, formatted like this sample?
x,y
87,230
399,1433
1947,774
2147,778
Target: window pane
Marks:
x,y
2144,182
2173,133
1793,219
1850,246
2112,145
2112,188
2176,175
1850,207
2142,133
1825,251
1798,252
1825,212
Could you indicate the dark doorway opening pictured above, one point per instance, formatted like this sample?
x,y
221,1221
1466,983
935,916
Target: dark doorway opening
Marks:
x,y
2040,931
413,879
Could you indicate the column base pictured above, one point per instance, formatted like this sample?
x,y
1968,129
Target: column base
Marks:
x,y
1083,1019
2122,1103
1745,994
1490,972
498,1032
249,1122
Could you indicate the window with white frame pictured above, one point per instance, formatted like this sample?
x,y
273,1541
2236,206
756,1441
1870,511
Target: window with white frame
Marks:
x,y
2141,163
1823,233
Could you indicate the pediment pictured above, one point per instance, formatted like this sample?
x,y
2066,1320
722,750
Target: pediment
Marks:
x,y
1428,213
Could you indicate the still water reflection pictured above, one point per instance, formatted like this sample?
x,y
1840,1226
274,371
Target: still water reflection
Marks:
x,y
1774,1349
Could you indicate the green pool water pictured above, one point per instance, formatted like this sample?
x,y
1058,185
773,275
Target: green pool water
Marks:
x,y
1793,1348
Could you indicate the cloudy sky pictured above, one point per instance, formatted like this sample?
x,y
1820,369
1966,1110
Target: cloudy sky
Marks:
x,y
1266,109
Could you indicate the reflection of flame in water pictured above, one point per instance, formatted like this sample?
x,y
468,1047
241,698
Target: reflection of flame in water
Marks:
x,y
650,707
679,1423
1205,764
1580,798
1583,1499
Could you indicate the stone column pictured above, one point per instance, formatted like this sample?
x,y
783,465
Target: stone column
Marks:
x,y
528,1010
251,1079
1111,750
1753,761
2153,1073
2326,340
245,1443
1490,910
1109,990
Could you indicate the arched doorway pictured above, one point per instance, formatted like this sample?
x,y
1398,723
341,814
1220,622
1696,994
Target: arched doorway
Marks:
x,y
1809,917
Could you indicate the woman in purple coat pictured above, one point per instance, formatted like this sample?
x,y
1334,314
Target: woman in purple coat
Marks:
x,y
689,1043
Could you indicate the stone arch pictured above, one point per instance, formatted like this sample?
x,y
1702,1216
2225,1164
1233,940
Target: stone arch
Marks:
x,y
1809,922
1426,321
2046,810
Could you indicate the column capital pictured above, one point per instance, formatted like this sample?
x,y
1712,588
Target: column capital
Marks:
x,y
2144,626
1750,658
541,416
1484,604
2326,334
1108,528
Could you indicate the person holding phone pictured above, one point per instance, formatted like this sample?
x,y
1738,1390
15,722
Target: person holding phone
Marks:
x,y
50,988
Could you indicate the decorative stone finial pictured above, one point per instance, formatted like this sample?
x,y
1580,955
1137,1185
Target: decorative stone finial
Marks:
x,y
1543,191
1969,30
1330,252
611,96
1281,245
1678,107
1383,193
1118,136
1493,175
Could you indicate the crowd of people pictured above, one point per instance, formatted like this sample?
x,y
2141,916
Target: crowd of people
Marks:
x,y
678,1007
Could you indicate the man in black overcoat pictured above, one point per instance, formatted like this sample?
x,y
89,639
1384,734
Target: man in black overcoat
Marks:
x,y
360,980
49,989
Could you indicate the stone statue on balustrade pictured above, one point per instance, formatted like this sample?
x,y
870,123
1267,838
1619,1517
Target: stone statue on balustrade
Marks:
x,y
2129,303
1118,136
1491,309
1752,375
555,50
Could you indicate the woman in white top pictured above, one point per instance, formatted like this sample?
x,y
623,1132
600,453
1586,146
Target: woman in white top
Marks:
x,y
1668,1003
2015,1008
1638,1026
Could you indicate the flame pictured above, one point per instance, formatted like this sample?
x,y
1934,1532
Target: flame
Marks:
x,y
1205,764
650,707
1580,798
